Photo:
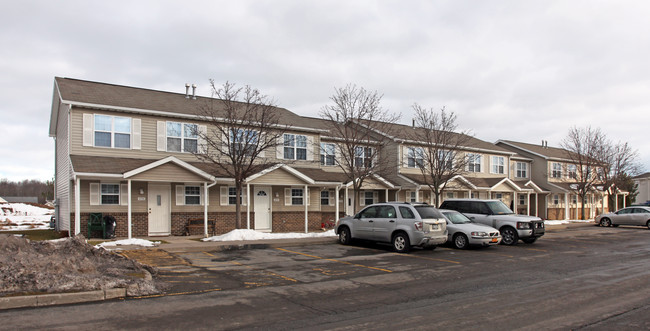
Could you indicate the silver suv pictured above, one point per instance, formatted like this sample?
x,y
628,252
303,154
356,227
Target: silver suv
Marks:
x,y
401,223
497,215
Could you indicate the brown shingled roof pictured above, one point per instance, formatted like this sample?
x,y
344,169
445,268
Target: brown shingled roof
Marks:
x,y
549,152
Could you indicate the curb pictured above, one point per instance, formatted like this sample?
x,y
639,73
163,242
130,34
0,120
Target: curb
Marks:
x,y
42,300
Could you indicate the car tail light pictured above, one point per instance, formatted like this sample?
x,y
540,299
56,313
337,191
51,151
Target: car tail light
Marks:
x,y
418,226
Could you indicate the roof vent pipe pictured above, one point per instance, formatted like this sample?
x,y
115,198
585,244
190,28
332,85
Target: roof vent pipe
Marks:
x,y
413,123
187,90
194,91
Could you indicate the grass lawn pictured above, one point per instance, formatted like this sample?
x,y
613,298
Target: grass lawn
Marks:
x,y
37,234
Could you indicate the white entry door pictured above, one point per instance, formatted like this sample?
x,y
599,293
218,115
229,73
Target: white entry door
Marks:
x,y
262,208
159,210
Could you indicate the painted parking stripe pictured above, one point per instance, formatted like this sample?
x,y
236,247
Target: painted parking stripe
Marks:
x,y
427,258
334,260
266,271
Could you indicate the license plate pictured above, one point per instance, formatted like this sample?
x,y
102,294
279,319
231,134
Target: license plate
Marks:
x,y
494,240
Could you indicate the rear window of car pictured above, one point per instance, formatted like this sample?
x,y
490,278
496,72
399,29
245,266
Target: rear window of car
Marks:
x,y
428,212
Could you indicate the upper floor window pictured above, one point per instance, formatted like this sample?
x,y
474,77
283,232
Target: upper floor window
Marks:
x,y
556,170
327,156
572,171
182,137
473,162
415,157
363,157
112,131
498,163
243,141
295,147
522,170
446,159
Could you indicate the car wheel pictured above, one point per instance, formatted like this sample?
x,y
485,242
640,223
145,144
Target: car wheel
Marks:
x,y
461,241
401,243
605,221
529,240
648,225
509,236
344,236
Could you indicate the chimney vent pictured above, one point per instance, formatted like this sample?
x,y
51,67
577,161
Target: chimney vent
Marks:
x,y
187,90
194,91
413,123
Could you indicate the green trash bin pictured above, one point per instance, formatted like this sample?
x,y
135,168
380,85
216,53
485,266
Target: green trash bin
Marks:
x,y
96,223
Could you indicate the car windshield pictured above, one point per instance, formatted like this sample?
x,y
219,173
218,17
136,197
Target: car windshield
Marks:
x,y
499,208
428,212
457,218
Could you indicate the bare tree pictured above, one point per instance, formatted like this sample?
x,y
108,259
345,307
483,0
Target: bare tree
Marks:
x,y
442,149
358,122
619,161
584,148
242,125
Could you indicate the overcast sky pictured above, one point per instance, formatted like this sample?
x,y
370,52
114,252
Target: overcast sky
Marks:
x,y
517,70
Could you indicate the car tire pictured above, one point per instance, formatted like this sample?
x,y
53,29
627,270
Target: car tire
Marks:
x,y
461,241
605,222
509,236
529,240
401,242
648,225
345,237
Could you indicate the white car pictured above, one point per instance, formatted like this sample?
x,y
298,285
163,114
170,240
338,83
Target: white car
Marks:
x,y
635,215
464,232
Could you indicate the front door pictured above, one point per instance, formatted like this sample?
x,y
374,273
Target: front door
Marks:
x,y
262,208
159,210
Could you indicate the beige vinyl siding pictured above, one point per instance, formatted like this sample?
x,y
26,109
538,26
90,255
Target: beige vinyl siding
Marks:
x,y
137,206
278,176
213,198
278,203
169,172
63,185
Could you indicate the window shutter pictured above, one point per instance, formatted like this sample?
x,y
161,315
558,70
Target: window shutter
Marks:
x,y
180,195
375,197
124,194
362,198
405,156
244,194
375,157
136,137
223,195
262,143
287,197
161,136
310,148
279,152
94,194
88,129
331,198
203,147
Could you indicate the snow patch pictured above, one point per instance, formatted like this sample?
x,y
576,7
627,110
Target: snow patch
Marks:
x,y
132,242
20,216
236,235
553,222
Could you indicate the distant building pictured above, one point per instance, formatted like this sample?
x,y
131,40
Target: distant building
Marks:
x,y
21,199
643,187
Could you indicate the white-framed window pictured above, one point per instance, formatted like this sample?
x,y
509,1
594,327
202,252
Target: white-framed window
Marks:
x,y
327,154
415,157
295,147
112,131
243,141
449,195
521,169
110,194
522,199
446,159
232,196
228,196
574,199
369,197
498,164
473,162
182,137
556,170
363,157
192,195
297,196
572,171
556,199
327,198
498,196
411,196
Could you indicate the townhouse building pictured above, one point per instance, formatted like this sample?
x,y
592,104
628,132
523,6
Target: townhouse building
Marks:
x,y
555,174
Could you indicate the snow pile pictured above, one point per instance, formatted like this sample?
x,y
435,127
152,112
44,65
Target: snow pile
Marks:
x,y
20,216
125,242
236,235
68,265
553,222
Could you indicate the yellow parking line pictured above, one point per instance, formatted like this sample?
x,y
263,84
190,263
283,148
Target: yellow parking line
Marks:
x,y
537,250
268,272
427,258
174,294
334,260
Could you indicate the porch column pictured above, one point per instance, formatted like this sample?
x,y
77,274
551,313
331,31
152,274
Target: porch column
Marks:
x,y
306,208
77,206
624,202
345,203
537,204
205,209
566,206
417,194
336,194
128,206
616,199
248,206
528,203
386,195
